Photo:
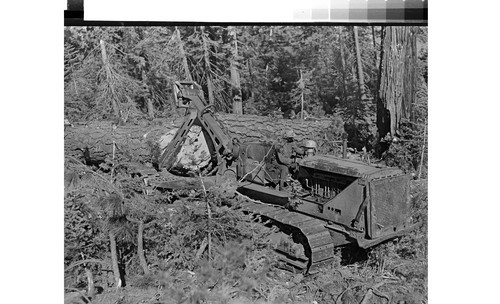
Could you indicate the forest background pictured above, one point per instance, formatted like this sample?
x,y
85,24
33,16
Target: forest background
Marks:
x,y
372,79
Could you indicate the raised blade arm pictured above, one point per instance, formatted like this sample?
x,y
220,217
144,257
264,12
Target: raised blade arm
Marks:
x,y
190,95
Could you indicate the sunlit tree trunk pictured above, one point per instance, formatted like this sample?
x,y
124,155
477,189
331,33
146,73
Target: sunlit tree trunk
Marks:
x,y
140,248
342,62
301,96
235,76
114,259
375,64
359,64
109,78
90,283
208,71
187,73
383,120
149,101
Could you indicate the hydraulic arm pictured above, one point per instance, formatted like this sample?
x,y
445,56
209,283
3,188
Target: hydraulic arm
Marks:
x,y
190,95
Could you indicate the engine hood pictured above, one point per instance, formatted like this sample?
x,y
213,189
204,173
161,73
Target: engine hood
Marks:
x,y
347,167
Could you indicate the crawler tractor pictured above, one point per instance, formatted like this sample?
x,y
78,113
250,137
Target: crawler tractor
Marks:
x,y
330,201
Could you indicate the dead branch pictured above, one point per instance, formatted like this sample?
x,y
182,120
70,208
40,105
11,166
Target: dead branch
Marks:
x,y
260,292
209,212
381,295
88,169
83,262
422,155
81,294
140,248
369,294
90,281
366,298
114,259
202,248
339,298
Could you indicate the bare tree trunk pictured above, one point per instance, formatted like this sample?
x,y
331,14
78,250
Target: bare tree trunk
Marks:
x,y
109,78
151,108
140,248
210,86
235,76
149,101
250,72
398,77
202,248
183,55
383,126
209,230
114,260
301,98
359,63
354,74
375,64
209,219
351,108
353,67
208,71
342,61
76,89
90,283
423,151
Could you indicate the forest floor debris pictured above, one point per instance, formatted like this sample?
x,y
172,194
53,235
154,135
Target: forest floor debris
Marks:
x,y
241,268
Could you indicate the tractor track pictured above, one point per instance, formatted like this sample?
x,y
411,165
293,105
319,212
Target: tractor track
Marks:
x,y
317,241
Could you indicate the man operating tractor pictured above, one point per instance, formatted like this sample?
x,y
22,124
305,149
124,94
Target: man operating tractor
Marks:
x,y
287,153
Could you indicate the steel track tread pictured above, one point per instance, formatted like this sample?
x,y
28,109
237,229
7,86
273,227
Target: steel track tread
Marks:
x,y
318,237
265,210
297,221
297,264
246,203
289,216
312,230
246,206
307,225
250,206
293,217
322,253
275,213
314,268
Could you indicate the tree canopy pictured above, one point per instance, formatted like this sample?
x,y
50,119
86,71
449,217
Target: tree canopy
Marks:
x,y
367,75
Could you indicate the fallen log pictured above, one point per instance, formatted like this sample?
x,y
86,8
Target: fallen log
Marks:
x,y
94,140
